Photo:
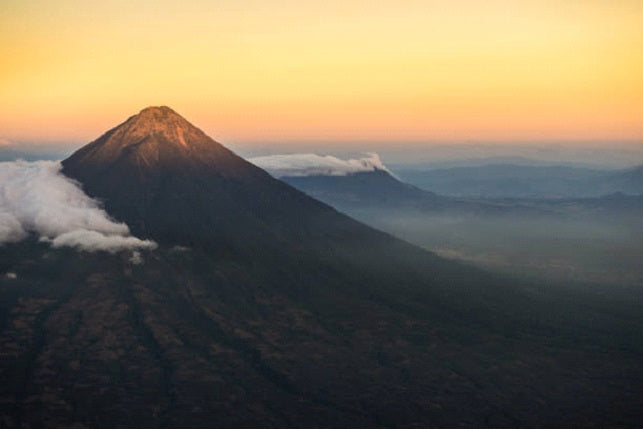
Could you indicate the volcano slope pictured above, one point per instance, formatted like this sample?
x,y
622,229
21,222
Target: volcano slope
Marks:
x,y
263,307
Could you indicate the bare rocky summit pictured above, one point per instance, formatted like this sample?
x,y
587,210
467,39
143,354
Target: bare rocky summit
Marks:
x,y
157,136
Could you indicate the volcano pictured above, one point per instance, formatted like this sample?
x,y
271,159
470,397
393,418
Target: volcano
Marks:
x,y
263,307
171,182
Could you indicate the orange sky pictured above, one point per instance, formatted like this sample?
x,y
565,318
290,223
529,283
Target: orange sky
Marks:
x,y
249,70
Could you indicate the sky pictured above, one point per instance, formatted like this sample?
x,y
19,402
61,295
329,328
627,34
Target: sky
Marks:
x,y
333,71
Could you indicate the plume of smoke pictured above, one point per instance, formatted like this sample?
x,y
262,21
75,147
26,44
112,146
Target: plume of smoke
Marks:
x,y
35,197
315,165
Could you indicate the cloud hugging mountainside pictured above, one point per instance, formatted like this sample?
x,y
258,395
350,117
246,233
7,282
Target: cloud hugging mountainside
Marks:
x,y
313,164
35,198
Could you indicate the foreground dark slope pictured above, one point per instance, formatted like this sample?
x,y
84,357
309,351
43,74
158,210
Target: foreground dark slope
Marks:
x,y
283,312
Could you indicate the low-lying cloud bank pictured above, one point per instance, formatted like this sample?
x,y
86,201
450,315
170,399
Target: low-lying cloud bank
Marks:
x,y
35,197
314,165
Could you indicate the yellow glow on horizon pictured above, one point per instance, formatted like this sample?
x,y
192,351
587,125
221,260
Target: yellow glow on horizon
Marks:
x,y
286,70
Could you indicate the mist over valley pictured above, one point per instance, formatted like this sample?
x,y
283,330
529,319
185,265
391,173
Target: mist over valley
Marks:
x,y
598,240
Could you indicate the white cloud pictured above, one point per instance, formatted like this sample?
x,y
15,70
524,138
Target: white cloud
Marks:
x,y
35,197
88,240
136,258
313,165
10,228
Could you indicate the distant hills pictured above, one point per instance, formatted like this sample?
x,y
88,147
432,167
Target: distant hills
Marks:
x,y
366,184
264,307
365,192
34,151
379,190
521,181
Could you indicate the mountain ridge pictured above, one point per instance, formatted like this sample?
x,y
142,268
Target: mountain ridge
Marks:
x,y
516,181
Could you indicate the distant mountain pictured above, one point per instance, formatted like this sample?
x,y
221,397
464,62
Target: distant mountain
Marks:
x,y
520,181
607,205
375,188
263,307
379,190
10,154
32,151
366,184
488,161
371,194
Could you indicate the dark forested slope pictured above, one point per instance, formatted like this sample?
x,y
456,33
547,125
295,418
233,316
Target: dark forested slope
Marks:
x,y
263,307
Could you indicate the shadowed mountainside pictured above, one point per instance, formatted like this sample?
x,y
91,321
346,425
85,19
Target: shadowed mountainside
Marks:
x,y
264,307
